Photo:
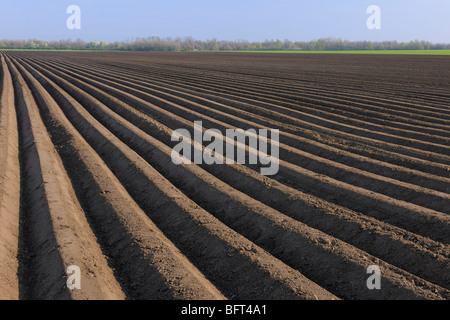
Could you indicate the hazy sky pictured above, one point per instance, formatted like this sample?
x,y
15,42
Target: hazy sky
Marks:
x,y
253,20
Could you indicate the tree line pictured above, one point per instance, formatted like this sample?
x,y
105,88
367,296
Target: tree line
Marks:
x,y
191,44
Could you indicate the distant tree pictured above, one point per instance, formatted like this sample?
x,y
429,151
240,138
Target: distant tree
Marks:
x,y
279,44
190,44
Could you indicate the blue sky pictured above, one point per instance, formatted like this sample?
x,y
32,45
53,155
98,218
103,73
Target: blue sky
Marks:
x,y
300,20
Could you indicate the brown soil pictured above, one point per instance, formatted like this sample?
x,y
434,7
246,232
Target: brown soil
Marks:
x,y
86,176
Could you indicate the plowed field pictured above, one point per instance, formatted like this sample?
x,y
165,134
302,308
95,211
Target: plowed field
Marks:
x,y
86,176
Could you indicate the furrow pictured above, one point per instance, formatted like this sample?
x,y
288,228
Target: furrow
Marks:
x,y
406,215
217,90
232,263
308,119
9,188
421,164
290,91
159,270
281,230
57,234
